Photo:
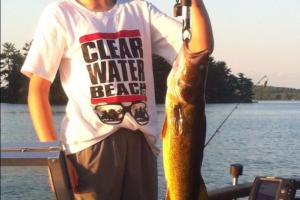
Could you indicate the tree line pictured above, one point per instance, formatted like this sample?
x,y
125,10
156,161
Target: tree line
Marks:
x,y
276,93
221,86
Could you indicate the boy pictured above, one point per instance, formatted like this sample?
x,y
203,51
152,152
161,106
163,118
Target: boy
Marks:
x,y
103,49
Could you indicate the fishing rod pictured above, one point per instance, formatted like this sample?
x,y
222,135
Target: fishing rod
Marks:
x,y
182,8
234,108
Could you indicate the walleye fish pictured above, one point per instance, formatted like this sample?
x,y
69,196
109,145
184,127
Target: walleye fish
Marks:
x,y
184,128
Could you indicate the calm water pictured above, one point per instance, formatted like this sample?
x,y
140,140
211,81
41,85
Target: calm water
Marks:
x,y
264,137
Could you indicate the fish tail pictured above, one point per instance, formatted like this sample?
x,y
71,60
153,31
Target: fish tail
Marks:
x,y
203,195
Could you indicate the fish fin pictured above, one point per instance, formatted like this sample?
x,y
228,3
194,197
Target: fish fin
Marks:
x,y
203,195
164,130
167,195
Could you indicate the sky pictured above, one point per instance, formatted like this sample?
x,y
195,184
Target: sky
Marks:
x,y
257,37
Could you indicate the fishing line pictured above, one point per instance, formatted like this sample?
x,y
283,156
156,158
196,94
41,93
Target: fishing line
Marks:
x,y
234,108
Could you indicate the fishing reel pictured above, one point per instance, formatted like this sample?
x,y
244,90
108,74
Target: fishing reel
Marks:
x,y
182,8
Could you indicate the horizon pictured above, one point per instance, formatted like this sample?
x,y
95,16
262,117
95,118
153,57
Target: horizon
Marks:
x,y
254,38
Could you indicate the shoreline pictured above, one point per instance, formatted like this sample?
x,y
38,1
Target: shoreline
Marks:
x,y
207,102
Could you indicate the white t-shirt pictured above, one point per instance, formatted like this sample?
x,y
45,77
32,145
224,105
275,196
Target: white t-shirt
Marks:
x,y
105,65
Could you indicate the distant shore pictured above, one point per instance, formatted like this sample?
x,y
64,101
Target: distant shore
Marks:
x,y
276,93
208,102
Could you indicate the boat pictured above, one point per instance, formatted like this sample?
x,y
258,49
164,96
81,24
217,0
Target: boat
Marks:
x,y
50,154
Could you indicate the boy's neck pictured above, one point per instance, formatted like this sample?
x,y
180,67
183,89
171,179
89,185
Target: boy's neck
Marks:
x,y
98,5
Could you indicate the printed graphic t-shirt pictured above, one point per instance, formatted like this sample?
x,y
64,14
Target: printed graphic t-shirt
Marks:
x,y
105,65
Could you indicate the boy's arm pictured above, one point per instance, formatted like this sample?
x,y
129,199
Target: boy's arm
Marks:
x,y
202,36
40,108
42,118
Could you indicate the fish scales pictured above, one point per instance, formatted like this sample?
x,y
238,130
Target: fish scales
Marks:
x,y
184,128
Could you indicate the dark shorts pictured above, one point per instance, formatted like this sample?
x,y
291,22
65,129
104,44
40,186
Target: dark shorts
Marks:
x,y
121,167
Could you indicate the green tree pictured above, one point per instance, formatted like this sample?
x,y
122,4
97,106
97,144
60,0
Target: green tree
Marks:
x,y
57,94
26,48
161,69
13,83
220,84
245,88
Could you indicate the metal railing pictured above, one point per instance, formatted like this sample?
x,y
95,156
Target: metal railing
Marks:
x,y
50,154
41,154
230,192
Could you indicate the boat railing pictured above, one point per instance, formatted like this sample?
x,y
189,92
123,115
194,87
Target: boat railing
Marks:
x,y
230,192
50,154
41,154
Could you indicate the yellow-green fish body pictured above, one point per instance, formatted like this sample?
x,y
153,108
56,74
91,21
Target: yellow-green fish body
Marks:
x,y
185,127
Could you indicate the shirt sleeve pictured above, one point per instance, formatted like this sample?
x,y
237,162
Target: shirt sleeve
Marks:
x,y
48,46
165,34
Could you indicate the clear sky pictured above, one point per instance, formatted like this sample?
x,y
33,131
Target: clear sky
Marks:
x,y
257,37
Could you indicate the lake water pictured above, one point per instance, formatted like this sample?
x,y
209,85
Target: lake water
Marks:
x,y
264,137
